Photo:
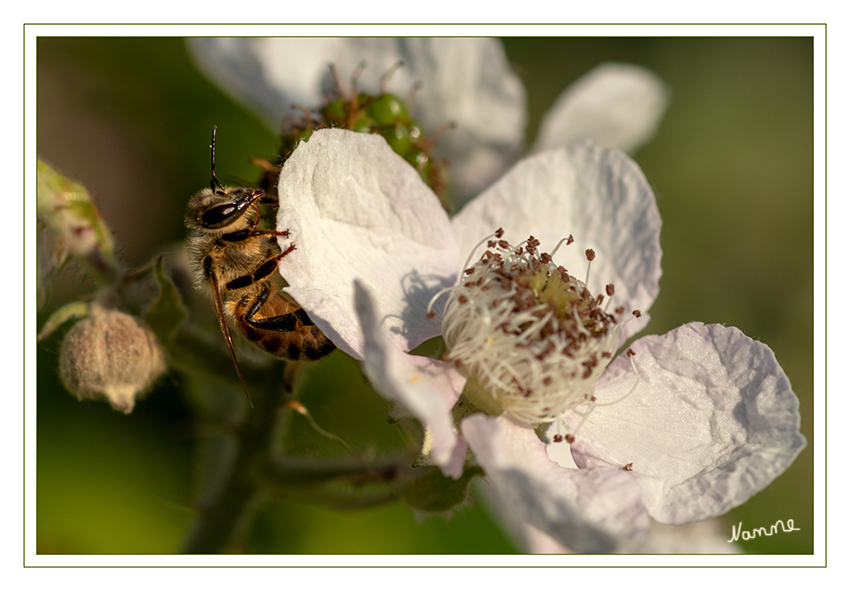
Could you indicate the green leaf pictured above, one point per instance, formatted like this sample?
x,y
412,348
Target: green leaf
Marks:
x,y
167,313
63,315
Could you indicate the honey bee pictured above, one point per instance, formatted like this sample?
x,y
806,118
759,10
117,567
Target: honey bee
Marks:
x,y
238,259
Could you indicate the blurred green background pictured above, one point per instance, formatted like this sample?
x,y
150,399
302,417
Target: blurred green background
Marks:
x,y
732,168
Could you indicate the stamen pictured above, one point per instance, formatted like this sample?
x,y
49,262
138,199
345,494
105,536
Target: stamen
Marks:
x,y
429,312
498,234
569,240
354,77
531,337
337,80
627,394
431,141
590,256
411,94
382,85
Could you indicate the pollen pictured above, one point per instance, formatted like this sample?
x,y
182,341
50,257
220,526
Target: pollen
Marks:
x,y
530,336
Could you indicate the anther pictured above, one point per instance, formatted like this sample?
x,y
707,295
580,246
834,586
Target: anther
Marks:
x,y
590,256
535,340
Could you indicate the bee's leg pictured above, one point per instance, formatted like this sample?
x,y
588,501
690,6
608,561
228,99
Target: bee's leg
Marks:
x,y
282,323
264,232
268,180
248,233
263,271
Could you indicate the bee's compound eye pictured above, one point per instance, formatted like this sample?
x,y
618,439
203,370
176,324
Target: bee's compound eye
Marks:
x,y
220,215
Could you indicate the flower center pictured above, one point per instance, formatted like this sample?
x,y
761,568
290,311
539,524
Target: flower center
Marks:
x,y
531,337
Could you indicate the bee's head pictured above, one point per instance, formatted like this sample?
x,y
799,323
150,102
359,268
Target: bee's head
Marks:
x,y
220,207
216,209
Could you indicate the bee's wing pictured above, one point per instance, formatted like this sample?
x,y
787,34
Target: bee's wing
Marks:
x,y
219,312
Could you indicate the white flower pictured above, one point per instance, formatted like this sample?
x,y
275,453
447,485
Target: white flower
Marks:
x,y
465,81
704,416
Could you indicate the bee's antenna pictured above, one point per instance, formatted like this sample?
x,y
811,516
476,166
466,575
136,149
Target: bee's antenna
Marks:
x,y
214,180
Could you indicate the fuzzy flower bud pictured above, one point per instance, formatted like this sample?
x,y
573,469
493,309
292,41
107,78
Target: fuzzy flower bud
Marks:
x,y
110,355
530,336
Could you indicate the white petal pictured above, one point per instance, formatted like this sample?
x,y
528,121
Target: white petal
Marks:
x,y
587,510
356,210
470,83
712,418
614,105
704,537
427,388
600,197
268,75
465,81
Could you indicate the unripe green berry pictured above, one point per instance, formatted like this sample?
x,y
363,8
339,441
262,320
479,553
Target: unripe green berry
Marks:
x,y
388,109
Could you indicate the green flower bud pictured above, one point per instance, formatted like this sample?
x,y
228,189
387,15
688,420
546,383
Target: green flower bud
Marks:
x,y
66,209
110,355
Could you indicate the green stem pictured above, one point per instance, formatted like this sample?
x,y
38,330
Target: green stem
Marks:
x,y
293,473
225,515
340,483
344,500
192,353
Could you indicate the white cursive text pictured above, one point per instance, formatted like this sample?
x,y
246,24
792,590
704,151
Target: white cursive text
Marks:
x,y
786,526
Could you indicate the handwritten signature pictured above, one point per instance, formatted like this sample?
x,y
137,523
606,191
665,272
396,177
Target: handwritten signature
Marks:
x,y
786,526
